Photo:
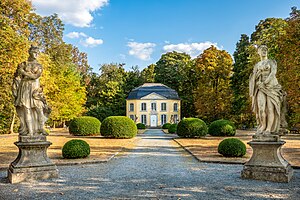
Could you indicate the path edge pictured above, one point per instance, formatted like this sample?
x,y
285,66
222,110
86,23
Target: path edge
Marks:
x,y
216,161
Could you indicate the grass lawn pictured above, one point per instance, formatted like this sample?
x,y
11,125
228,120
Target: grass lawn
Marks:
x,y
102,149
206,149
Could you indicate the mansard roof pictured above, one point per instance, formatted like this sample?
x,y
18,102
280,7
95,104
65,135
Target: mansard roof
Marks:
x,y
149,88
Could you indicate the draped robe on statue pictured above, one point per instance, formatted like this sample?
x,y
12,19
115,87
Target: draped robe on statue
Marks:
x,y
264,82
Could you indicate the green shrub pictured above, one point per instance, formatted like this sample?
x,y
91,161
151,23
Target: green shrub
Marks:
x,y
140,126
221,127
118,127
172,128
76,149
232,147
166,126
85,126
191,128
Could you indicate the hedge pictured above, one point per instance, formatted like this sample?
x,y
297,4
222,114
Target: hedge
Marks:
x,y
118,127
232,147
172,128
166,126
191,128
140,126
76,149
222,127
85,126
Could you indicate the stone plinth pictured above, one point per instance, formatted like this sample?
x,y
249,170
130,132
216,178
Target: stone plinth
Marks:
x,y
32,162
267,163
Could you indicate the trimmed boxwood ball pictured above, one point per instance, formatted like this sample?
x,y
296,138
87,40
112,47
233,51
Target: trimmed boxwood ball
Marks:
x,y
83,126
76,149
221,127
118,127
172,128
232,147
140,126
166,126
191,128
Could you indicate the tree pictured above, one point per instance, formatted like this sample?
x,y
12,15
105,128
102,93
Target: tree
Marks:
x,y
66,66
187,84
46,32
267,33
14,19
167,68
112,78
288,59
177,71
241,105
61,83
133,79
93,90
81,62
148,75
213,93
106,92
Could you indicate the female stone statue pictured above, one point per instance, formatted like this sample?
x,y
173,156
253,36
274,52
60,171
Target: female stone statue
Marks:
x,y
267,95
29,101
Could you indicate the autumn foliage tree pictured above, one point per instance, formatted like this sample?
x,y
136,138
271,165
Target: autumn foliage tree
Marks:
x,y
267,32
65,68
288,59
14,19
213,93
282,38
62,64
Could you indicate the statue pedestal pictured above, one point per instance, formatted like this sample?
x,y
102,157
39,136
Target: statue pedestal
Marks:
x,y
267,163
32,162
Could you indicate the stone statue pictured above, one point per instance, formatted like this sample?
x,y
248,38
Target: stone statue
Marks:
x,y
268,99
32,162
30,103
269,105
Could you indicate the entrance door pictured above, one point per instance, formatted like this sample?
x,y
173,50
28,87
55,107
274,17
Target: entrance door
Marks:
x,y
153,119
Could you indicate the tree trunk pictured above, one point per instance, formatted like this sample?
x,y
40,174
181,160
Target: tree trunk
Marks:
x,y
12,124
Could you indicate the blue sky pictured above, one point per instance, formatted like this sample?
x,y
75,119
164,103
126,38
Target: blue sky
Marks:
x,y
138,32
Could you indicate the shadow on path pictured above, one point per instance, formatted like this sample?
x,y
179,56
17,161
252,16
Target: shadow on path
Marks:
x,y
156,169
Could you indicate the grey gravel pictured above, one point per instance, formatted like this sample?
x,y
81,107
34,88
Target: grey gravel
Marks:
x,y
156,169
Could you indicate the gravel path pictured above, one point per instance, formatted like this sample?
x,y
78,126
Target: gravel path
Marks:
x,y
156,169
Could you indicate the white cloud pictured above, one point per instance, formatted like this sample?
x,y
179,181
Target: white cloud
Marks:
x,y
75,12
85,40
193,49
73,35
142,51
122,56
91,42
